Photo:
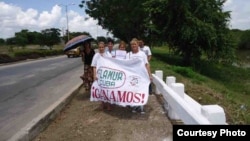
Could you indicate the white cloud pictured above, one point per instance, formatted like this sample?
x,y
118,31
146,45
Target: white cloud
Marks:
x,y
240,10
14,19
26,18
81,23
228,3
49,18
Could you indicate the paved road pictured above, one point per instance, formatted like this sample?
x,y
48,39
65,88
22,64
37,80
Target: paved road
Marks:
x,y
28,88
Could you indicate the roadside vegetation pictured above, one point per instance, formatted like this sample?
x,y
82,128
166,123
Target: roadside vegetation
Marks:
x,y
10,54
210,83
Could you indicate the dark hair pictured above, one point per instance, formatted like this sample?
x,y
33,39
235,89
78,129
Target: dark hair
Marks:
x,y
87,43
110,40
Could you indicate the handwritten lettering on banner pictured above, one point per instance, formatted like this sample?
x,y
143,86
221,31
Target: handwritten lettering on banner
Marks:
x,y
121,82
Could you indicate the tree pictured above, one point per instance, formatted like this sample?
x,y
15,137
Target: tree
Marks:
x,y
50,37
245,40
2,41
101,38
33,37
236,35
22,38
10,41
36,38
74,34
123,18
192,27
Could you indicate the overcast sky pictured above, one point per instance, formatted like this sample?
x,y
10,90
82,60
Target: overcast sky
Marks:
x,y
36,15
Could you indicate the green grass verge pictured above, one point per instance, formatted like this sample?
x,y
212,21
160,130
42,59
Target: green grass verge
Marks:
x,y
14,54
208,83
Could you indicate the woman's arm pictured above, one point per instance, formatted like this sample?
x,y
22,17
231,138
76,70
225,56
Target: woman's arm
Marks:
x,y
149,72
94,73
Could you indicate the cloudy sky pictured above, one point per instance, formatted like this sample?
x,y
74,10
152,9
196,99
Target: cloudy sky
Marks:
x,y
36,15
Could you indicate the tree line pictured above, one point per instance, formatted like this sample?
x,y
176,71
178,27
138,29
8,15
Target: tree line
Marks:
x,y
193,29
47,37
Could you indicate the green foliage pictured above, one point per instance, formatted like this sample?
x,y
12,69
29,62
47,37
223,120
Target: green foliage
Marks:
x,y
231,76
32,54
10,41
21,38
2,41
236,35
74,34
187,72
192,28
123,18
18,55
102,39
245,40
50,36
210,83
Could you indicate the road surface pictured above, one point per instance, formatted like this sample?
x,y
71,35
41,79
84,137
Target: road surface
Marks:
x,y
28,88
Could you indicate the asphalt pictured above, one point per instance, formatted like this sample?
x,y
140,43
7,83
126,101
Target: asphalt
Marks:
x,y
38,124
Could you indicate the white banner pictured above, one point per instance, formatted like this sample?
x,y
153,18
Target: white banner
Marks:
x,y
121,82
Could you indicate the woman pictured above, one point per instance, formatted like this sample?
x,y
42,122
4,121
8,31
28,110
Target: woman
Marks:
x,y
87,57
101,52
121,52
136,53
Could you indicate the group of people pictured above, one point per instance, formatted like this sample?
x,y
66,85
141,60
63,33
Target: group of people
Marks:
x,y
90,57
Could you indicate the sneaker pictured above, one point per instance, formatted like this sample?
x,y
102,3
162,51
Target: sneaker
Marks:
x,y
134,109
142,109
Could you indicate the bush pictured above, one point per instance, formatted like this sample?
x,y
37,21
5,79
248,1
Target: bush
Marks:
x,y
28,54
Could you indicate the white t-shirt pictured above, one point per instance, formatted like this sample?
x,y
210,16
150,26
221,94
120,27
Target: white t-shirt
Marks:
x,y
120,54
112,53
139,54
146,50
96,57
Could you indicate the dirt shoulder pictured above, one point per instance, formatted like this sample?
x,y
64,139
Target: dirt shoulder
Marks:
x,y
82,120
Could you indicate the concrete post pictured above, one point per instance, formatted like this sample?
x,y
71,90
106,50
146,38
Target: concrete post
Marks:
x,y
170,80
158,73
179,89
214,113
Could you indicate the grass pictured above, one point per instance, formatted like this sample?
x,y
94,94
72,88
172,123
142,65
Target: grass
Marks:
x,y
225,85
8,49
12,53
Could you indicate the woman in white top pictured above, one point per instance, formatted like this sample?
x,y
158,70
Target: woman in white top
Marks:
x,y
121,52
110,48
136,53
145,49
101,52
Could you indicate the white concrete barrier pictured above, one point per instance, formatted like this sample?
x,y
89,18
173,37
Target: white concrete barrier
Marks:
x,y
180,106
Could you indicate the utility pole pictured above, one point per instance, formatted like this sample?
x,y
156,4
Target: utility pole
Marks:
x,y
67,18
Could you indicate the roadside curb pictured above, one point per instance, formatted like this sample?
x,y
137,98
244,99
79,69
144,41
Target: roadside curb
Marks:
x,y
38,124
